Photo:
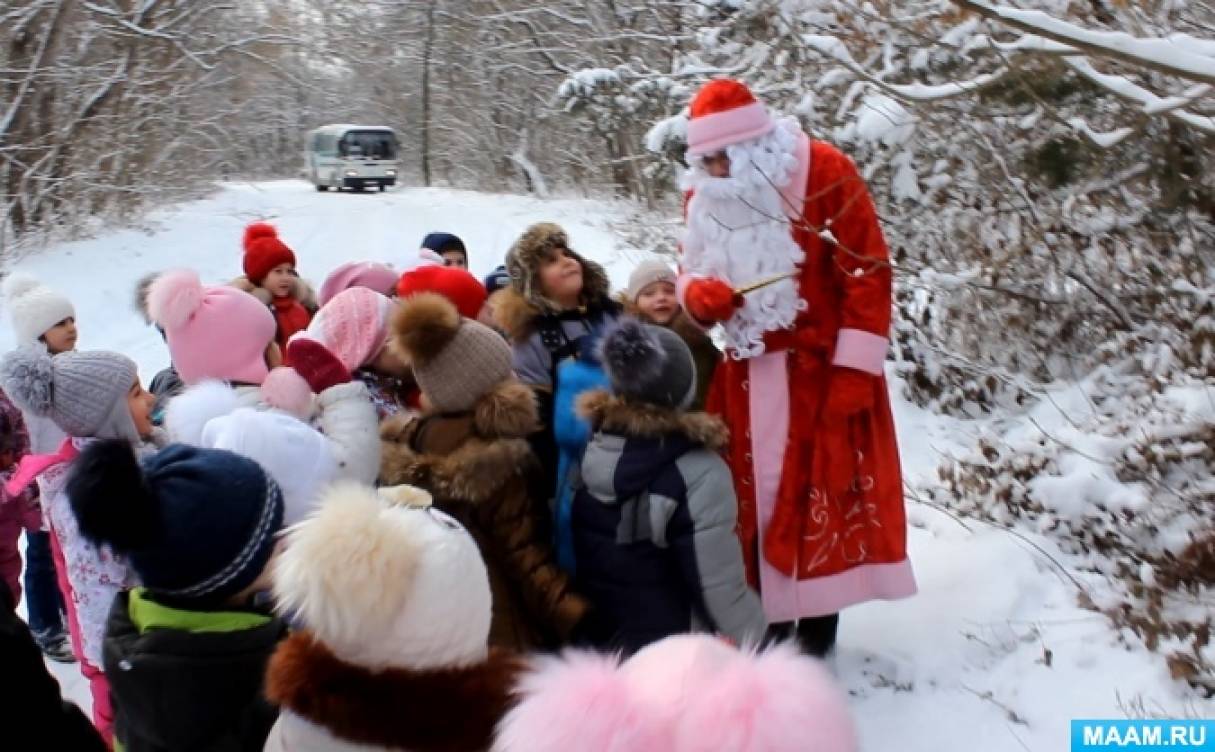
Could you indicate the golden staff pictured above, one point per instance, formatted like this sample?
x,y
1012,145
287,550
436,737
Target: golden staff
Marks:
x,y
760,284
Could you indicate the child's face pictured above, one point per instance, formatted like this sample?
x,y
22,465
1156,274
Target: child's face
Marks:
x,y
658,302
8,458
561,278
280,280
61,337
454,258
140,403
389,363
717,164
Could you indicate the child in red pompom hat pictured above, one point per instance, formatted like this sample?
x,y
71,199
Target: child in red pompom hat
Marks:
x,y
464,290
270,275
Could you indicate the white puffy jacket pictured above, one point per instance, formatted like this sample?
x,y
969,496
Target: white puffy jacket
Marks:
x,y
213,414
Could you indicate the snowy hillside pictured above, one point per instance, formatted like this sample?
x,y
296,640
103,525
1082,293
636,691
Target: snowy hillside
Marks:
x,y
995,653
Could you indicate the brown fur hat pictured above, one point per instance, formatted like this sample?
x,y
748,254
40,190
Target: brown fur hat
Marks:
x,y
536,245
455,360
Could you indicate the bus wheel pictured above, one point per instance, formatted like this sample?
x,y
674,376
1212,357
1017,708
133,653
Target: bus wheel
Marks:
x,y
383,187
322,188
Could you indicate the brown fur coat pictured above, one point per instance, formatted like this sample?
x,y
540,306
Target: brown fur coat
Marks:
x,y
478,466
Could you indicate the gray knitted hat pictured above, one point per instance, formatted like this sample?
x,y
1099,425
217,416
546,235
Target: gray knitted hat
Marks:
x,y
649,364
84,393
455,360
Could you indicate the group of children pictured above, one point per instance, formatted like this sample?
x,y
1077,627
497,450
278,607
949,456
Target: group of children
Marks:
x,y
350,519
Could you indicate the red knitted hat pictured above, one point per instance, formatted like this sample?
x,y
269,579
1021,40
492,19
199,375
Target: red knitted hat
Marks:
x,y
725,112
264,251
463,289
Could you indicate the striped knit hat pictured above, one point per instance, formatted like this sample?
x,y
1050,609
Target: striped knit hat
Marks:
x,y
197,525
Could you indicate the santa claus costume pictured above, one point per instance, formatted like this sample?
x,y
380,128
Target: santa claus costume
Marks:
x,y
813,446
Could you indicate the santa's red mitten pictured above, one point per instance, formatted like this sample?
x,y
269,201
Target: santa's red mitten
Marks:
x,y
849,392
711,300
313,361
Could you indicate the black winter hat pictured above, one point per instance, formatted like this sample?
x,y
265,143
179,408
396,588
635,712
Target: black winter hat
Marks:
x,y
442,242
649,364
197,525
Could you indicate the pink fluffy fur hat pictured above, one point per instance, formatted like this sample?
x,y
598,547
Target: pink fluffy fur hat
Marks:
x,y
690,693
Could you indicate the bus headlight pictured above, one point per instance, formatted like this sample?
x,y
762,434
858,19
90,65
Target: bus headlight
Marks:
x,y
391,173
352,173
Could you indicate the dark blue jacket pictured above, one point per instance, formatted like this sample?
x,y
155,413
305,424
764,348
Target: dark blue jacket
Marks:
x,y
654,526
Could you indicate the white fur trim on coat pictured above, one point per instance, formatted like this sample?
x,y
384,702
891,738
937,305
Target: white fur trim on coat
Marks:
x,y
739,232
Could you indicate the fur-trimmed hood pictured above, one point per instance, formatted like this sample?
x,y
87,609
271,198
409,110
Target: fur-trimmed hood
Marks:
x,y
517,306
300,290
427,711
519,319
493,446
617,416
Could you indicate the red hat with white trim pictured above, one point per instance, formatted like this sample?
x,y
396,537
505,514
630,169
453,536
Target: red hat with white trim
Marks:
x,y
725,112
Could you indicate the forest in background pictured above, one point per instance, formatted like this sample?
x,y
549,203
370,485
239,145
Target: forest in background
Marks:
x,y
1043,172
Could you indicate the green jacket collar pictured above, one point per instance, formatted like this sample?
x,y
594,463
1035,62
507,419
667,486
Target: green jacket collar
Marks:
x,y
147,614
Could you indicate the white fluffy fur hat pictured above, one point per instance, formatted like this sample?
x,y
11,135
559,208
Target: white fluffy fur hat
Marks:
x,y
386,581
33,307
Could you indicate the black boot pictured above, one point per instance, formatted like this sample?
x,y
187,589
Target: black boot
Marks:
x,y
815,635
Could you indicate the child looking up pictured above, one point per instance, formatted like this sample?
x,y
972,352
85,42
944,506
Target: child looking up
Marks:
x,y
555,309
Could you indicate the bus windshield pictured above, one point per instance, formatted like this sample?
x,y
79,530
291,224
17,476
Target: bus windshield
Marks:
x,y
373,144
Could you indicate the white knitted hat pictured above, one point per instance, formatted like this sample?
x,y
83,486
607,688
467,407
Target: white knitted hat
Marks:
x,y
33,307
646,274
293,453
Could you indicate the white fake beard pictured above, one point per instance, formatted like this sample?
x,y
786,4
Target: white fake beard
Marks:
x,y
738,231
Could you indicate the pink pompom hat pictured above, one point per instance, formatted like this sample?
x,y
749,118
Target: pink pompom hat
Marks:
x,y
213,332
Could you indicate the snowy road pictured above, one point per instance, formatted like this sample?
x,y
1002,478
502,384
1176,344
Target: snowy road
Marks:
x,y
993,654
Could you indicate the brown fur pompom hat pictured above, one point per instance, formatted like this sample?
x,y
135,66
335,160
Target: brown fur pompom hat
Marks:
x,y
535,246
455,360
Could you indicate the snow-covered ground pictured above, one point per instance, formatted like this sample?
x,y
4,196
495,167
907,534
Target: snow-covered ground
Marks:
x,y
993,654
